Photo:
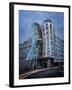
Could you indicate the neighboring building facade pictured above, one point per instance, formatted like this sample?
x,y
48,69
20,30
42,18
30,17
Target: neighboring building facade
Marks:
x,y
31,50
43,50
23,52
59,50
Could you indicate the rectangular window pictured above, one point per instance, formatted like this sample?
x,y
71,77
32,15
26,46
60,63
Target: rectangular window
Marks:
x,y
46,27
50,26
50,31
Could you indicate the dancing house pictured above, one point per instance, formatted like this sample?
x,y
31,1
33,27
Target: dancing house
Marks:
x,y
44,50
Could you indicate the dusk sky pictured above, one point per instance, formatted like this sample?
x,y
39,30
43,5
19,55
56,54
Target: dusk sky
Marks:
x,y
27,18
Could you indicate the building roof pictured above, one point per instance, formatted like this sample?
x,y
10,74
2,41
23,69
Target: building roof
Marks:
x,y
47,20
36,24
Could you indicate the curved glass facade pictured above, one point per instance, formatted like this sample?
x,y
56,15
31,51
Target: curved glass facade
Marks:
x,y
36,49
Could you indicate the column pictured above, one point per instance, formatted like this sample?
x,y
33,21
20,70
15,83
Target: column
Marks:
x,y
48,63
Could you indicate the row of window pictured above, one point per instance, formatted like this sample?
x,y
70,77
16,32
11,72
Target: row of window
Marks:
x,y
53,54
47,26
48,32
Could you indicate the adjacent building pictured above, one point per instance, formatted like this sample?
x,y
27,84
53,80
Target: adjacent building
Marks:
x,y
24,49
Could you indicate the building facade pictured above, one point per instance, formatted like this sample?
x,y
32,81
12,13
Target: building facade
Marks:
x,y
48,34
53,46
59,50
36,49
24,49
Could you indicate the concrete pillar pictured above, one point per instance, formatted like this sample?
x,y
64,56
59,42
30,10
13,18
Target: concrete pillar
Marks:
x,y
48,63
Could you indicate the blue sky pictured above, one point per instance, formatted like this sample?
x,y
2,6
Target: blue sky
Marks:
x,y
26,18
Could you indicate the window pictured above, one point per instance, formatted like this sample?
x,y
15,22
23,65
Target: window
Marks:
x,y
43,40
50,31
48,38
47,52
43,29
43,53
43,44
46,32
44,48
50,26
46,24
46,27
